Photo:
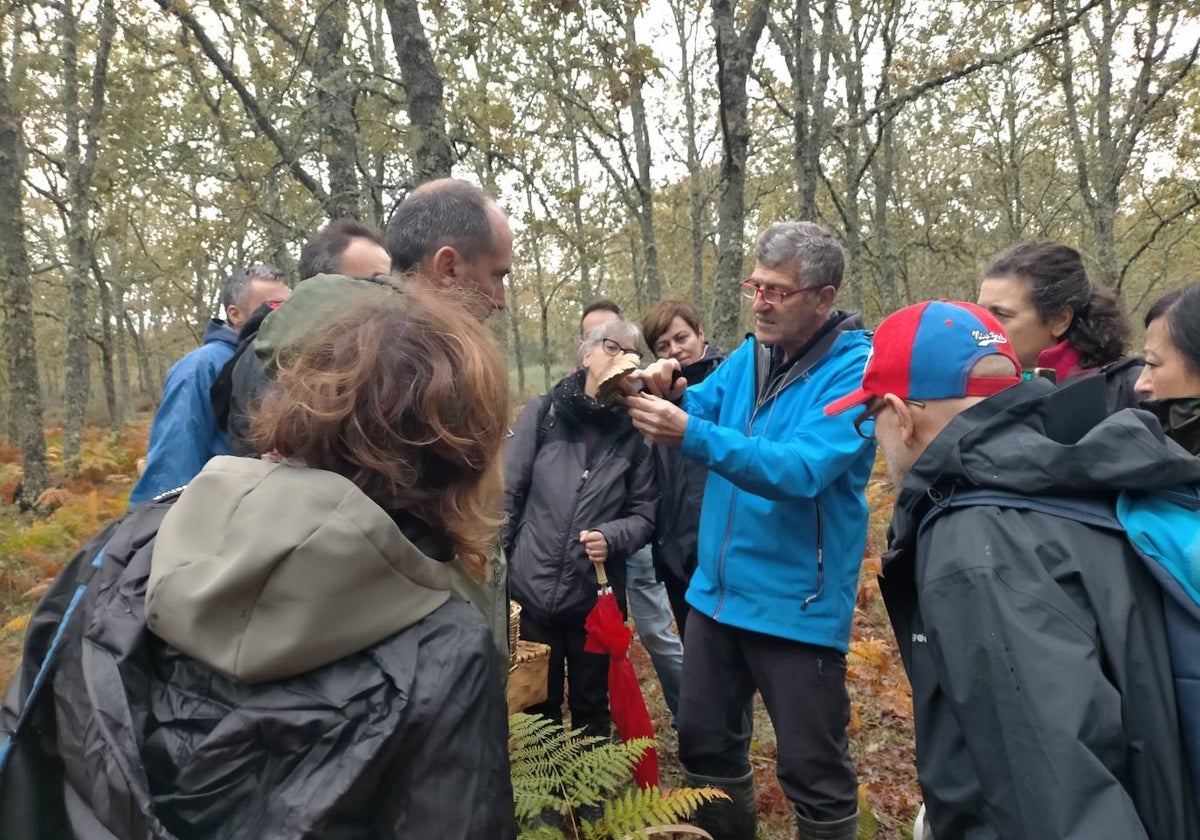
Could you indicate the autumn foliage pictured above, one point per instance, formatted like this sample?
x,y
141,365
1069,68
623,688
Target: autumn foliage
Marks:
x,y
85,497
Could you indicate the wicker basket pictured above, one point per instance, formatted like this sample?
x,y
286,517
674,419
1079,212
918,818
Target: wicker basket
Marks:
x,y
514,631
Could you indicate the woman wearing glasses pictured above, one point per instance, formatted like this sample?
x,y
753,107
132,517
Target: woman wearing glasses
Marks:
x,y
579,486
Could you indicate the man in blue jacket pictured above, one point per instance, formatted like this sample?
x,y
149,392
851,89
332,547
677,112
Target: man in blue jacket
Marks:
x,y
184,434
783,528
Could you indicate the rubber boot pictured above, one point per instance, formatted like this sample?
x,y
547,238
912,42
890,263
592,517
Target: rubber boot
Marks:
x,y
735,818
844,829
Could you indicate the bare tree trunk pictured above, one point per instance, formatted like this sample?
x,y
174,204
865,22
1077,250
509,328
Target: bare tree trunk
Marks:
x,y
582,245
335,94
735,53
146,381
687,82
641,144
809,64
125,395
80,153
24,389
518,351
429,144
115,414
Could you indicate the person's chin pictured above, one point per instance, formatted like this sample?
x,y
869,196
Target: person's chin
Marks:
x,y
766,333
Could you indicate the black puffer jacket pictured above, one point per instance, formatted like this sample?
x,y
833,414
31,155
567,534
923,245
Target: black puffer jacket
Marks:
x,y
681,490
1042,689
314,679
591,470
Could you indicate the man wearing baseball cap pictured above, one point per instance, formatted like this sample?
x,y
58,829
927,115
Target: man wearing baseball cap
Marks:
x,y
1033,638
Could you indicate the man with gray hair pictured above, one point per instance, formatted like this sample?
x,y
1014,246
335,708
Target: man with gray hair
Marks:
x,y
185,434
783,527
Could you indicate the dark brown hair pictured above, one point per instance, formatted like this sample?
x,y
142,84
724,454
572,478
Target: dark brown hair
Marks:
x,y
1181,308
659,317
406,395
1057,280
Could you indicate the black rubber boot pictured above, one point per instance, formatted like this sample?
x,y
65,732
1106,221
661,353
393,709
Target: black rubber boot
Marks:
x,y
844,829
735,818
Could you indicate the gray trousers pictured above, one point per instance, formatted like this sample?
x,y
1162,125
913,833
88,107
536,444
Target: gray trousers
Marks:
x,y
804,689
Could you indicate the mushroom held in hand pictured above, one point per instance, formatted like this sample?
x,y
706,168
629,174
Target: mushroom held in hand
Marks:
x,y
615,382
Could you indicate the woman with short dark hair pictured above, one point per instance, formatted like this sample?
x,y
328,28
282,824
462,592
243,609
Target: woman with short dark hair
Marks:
x,y
1170,382
284,657
672,330
1056,317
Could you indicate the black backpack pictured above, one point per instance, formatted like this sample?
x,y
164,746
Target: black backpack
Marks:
x,y
31,774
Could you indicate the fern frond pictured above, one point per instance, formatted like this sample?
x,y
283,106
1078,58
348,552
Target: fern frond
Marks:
x,y
557,771
642,808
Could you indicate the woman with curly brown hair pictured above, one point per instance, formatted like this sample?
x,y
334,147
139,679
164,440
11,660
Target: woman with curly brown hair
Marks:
x,y
284,658
1057,318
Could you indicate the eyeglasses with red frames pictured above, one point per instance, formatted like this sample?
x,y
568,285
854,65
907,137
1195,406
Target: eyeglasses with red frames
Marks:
x,y
771,295
869,413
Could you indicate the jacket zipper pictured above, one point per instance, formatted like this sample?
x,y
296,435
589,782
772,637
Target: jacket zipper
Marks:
x,y
562,554
733,501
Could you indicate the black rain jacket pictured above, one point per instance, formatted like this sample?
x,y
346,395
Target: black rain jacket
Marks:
x,y
681,491
569,477
402,737
1042,689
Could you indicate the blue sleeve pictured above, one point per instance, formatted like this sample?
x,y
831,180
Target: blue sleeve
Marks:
x,y
704,399
818,450
184,434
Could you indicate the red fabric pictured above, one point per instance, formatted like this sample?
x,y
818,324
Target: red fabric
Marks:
x,y
607,633
1064,359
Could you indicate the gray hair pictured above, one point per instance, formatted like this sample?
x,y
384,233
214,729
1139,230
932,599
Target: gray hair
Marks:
x,y
619,330
436,214
237,286
810,251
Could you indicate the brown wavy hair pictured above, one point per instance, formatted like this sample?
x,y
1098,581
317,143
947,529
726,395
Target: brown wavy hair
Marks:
x,y
406,395
1099,329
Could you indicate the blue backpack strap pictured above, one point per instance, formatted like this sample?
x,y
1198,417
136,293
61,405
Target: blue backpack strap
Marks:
x,y
47,666
1098,512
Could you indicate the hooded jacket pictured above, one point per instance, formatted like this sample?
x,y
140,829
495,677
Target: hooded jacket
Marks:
x,y
784,520
681,490
184,434
313,304
281,661
1035,644
584,473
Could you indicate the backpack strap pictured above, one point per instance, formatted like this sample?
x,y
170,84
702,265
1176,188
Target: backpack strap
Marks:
x,y
546,418
1097,512
82,580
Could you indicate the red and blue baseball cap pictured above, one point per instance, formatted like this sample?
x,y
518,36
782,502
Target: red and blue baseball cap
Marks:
x,y
927,351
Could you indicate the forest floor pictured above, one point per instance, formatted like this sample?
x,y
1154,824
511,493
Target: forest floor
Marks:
x,y
34,547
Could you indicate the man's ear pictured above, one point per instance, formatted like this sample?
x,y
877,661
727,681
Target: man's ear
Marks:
x,y
825,296
906,423
446,265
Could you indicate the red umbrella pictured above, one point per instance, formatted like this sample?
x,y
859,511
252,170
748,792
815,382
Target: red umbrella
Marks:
x,y
607,633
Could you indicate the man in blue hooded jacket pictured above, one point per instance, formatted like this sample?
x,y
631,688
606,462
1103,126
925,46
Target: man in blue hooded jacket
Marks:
x,y
184,434
783,528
